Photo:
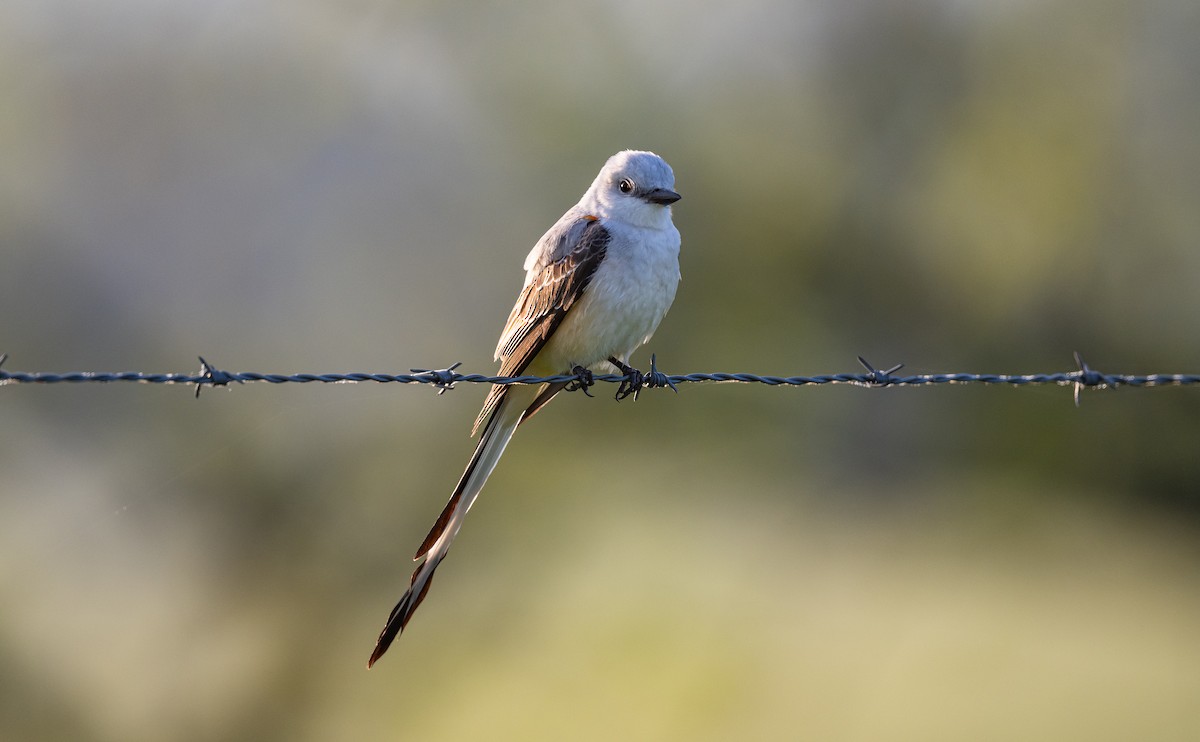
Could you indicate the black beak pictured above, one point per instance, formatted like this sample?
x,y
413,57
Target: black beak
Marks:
x,y
662,196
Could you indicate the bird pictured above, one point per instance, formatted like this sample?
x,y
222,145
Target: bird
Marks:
x,y
597,285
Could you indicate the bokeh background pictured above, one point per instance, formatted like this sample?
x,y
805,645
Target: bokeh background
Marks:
x,y
351,186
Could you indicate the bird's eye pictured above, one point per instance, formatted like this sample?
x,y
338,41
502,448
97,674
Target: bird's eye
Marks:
x,y
626,185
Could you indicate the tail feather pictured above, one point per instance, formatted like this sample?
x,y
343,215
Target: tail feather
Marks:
x,y
488,452
422,578
545,395
499,430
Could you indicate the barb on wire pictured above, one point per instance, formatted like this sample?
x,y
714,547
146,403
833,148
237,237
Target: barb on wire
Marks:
x,y
1087,377
445,378
657,379
879,378
213,376
442,378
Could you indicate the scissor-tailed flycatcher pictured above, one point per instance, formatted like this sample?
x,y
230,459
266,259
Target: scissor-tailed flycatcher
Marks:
x,y
596,287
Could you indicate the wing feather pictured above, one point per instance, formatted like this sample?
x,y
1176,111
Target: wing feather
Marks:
x,y
543,303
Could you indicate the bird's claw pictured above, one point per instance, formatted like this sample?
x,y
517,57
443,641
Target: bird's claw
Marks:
x,y
632,383
582,381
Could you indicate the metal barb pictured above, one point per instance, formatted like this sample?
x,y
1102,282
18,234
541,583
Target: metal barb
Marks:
x,y
657,379
212,375
1087,376
442,378
875,377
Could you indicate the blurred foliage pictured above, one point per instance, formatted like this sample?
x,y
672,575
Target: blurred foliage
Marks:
x,y
312,186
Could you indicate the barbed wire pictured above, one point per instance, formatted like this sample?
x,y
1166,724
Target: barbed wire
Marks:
x,y
444,379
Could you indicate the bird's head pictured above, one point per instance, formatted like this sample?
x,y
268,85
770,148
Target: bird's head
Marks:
x,y
637,187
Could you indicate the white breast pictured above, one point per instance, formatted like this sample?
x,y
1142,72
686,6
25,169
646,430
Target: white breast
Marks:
x,y
628,296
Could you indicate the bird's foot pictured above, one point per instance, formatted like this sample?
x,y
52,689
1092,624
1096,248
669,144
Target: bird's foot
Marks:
x,y
632,383
582,381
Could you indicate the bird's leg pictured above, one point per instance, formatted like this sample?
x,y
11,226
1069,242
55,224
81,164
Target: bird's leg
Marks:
x,y
632,384
582,383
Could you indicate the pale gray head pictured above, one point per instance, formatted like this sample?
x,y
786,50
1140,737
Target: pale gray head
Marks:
x,y
635,185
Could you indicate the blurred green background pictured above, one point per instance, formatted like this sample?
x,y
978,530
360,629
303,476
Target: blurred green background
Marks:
x,y
330,187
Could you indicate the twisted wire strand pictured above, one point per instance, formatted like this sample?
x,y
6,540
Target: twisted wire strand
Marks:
x,y
445,378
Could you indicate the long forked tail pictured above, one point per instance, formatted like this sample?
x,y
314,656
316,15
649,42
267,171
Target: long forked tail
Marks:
x,y
496,434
